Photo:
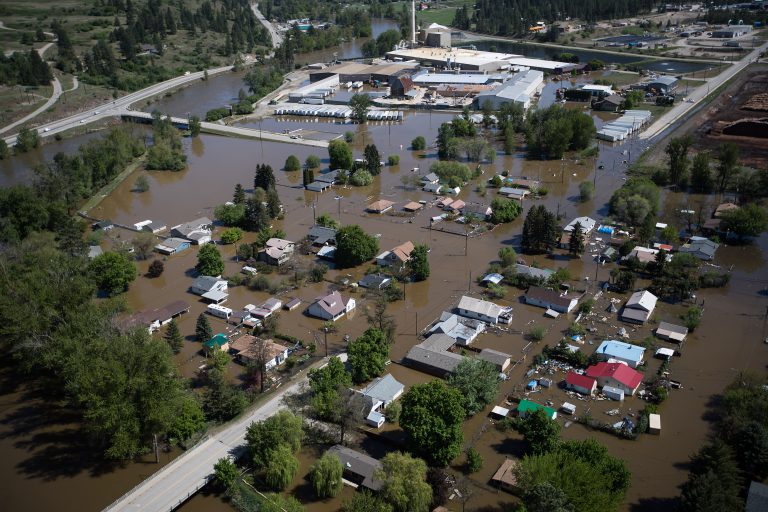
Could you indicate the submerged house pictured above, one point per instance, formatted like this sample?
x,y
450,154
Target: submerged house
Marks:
x,y
359,468
617,376
461,329
277,251
639,307
378,395
631,355
484,311
197,231
397,256
331,306
550,299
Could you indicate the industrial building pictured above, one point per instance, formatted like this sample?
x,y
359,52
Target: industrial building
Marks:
x,y
357,72
731,31
520,89
476,60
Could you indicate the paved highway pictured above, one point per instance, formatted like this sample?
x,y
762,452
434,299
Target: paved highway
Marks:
x,y
277,37
45,106
116,107
699,94
182,478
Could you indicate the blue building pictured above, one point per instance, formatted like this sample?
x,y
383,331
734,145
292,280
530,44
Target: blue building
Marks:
x,y
620,351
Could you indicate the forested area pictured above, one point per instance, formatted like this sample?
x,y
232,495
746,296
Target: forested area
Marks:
x,y
24,68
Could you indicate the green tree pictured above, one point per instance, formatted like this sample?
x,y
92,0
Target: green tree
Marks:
x,y
474,460
203,330
281,429
361,178
507,256
325,384
419,143
432,417
141,184
209,262
340,155
750,447
231,235
156,268
368,354
221,400
540,230
545,497
728,156
365,501
669,235
477,381
264,178
701,174
714,482
173,337
504,210
576,241
360,104
354,246
188,420
748,221
633,99
677,151
195,126
327,221
225,472
292,163
5,153
312,162
325,476
282,466
592,479
372,159
586,190
238,197
231,214
404,483
26,140
540,432
418,265
112,272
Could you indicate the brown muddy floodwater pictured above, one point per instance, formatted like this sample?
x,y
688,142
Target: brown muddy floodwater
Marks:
x,y
45,465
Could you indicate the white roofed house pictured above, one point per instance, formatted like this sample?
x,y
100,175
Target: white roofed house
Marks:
x,y
484,311
461,329
481,211
277,251
434,188
587,225
198,231
378,395
639,307
210,288
331,306
430,178
671,332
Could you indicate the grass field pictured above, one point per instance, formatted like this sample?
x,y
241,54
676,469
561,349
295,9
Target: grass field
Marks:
x,y
441,13
16,102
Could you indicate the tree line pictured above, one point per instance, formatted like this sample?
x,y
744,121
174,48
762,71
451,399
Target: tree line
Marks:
x,y
24,68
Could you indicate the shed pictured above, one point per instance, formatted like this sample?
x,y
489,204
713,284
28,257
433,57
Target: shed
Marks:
x,y
499,359
499,412
613,393
292,304
493,278
545,382
380,206
532,385
665,353
654,424
671,332
505,476
413,206
568,408
526,406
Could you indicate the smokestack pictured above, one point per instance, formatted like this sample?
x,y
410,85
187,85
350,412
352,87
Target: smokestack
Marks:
x,y
413,22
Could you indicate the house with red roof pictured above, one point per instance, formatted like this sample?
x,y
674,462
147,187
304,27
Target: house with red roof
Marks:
x,y
580,383
617,375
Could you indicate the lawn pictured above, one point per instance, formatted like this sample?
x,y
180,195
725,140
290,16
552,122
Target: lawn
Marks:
x,y
442,13
16,102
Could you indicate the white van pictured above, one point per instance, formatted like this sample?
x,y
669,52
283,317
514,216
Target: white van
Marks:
x,y
219,311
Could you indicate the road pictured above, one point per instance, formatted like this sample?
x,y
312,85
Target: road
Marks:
x,y
277,37
45,106
182,478
678,111
116,107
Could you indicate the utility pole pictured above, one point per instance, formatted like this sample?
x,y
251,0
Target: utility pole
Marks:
x,y
325,331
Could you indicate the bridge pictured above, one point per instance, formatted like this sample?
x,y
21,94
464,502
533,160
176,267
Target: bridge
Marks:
x,y
227,130
181,479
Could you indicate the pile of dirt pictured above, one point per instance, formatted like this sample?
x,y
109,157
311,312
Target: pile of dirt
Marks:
x,y
755,127
758,103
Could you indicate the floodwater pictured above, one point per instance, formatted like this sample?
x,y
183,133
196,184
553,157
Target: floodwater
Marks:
x,y
549,52
46,466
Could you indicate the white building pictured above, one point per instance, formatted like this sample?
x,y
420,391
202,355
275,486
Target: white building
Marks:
x,y
484,311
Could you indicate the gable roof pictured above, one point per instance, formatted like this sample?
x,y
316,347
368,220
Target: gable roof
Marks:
x,y
206,282
480,307
430,178
374,281
542,273
494,356
548,296
702,245
403,251
332,303
385,388
321,235
619,349
675,332
439,359
245,346
587,224
618,371
643,300
201,224
582,381
380,205
360,464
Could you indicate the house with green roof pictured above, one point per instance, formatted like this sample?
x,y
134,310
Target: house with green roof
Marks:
x,y
526,406
218,342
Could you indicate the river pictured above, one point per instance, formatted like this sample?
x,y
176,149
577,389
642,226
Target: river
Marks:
x,y
46,465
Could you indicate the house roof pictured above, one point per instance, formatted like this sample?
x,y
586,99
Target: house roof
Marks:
x,y
528,406
457,205
494,356
172,243
201,224
479,210
664,80
516,192
403,251
148,316
333,303
619,349
328,177
643,300
618,371
321,235
582,381
374,281
700,245
455,327
493,278
412,206
245,346
433,187
543,273
360,464
676,332
206,282
277,247
317,186
613,99
217,341
438,359
587,224
548,296
385,388
506,473
380,205
94,250
430,178
480,307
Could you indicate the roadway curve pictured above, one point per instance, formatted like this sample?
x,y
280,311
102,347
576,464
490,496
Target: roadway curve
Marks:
x,y
116,107
182,478
699,94
48,104
277,37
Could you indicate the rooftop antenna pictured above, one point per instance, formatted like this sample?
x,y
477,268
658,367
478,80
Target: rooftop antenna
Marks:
x,y
413,22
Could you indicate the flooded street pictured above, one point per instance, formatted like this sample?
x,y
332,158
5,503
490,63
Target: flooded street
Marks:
x,y
45,466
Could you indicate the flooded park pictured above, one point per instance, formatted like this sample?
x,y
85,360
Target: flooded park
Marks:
x,y
46,464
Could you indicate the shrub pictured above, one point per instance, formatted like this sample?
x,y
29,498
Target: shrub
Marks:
x,y
292,164
361,178
393,160
586,190
312,162
474,461
537,333
419,143
349,136
231,235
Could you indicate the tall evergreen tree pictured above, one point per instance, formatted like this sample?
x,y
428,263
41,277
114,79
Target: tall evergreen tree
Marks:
x,y
256,216
576,242
714,483
203,330
239,195
265,178
273,203
540,230
173,337
372,160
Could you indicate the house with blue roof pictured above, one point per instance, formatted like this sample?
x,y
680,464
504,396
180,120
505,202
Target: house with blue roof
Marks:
x,y
627,353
